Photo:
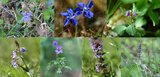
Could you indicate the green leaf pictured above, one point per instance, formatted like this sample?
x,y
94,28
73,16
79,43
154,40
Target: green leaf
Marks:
x,y
119,29
143,9
4,1
140,21
131,30
154,17
1,22
128,1
155,4
140,32
46,15
158,33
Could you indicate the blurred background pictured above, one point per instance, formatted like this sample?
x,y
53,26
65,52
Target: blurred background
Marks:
x,y
85,27
31,57
71,51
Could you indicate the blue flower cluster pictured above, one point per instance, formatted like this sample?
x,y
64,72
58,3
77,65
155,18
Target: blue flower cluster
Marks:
x,y
81,9
26,16
58,47
130,13
97,47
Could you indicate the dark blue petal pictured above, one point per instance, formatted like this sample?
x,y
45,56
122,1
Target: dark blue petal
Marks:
x,y
64,13
81,5
70,11
77,13
75,22
88,14
90,4
66,22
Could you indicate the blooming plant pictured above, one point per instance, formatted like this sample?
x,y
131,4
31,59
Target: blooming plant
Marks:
x,y
81,9
102,66
60,62
17,59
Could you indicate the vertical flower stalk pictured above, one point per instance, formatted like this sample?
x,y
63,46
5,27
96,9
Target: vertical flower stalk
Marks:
x,y
140,51
17,59
97,47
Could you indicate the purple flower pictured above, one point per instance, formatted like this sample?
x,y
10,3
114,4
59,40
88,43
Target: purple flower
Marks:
x,y
85,9
55,43
14,63
14,54
58,49
26,16
23,49
70,17
97,68
134,14
128,13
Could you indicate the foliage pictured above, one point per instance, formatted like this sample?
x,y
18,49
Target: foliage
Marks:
x,y
140,24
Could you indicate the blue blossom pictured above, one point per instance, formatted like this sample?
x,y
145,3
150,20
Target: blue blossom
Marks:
x,y
23,49
58,49
128,13
97,67
55,43
134,14
26,16
14,63
85,9
70,17
14,54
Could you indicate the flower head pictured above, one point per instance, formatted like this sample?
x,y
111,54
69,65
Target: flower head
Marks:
x,y
23,49
14,54
58,49
26,16
70,17
128,13
55,43
85,9
14,63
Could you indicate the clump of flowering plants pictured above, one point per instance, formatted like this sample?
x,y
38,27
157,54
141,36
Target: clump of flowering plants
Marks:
x,y
60,62
26,18
17,58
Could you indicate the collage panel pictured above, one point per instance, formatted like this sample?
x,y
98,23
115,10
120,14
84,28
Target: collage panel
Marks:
x,y
140,57
132,18
19,57
101,57
26,18
61,57
75,18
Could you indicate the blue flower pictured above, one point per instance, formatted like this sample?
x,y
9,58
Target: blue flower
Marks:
x,y
58,49
14,54
26,16
70,17
85,9
128,13
14,63
55,43
23,49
